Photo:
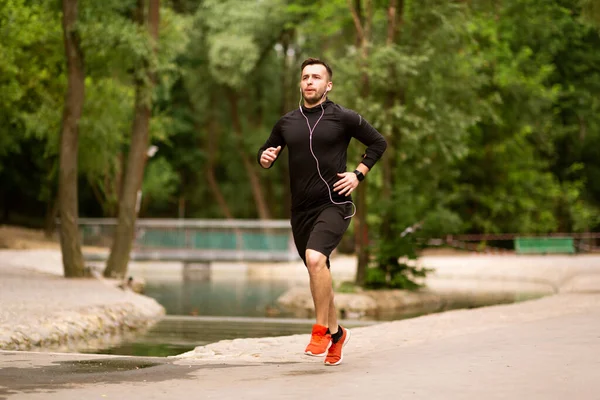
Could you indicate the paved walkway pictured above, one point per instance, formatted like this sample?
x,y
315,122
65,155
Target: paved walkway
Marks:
x,y
39,308
495,353
540,349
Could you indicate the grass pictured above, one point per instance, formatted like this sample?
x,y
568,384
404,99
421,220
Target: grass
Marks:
x,y
347,287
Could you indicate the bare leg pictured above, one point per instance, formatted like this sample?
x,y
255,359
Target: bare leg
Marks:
x,y
320,286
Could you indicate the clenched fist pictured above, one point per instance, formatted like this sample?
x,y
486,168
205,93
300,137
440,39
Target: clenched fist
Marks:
x,y
268,156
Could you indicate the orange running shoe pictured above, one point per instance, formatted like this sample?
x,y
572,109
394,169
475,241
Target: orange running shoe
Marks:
x,y
319,341
335,353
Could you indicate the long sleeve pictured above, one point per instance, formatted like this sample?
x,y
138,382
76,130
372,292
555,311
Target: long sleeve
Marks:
x,y
274,140
360,129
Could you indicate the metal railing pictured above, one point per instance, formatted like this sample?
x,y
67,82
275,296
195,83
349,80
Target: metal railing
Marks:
x,y
195,240
583,242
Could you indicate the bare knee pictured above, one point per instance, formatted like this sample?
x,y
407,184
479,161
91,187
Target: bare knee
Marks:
x,y
315,261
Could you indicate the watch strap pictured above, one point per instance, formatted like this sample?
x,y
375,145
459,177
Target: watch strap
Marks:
x,y
359,175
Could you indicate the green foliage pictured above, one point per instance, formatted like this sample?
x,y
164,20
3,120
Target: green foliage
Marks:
x,y
232,59
346,287
422,97
30,44
512,149
490,109
160,182
31,77
111,42
391,271
235,34
591,12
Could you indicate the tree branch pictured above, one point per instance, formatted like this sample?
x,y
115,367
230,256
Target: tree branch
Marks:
x,y
369,19
391,33
357,23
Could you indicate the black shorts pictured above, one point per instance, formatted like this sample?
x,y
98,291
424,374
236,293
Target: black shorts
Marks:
x,y
320,229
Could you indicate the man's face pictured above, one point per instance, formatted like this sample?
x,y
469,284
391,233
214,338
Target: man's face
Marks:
x,y
313,82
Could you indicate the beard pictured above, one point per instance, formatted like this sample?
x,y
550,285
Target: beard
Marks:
x,y
314,97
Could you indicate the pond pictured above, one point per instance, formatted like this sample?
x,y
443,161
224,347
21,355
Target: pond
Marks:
x,y
234,303
200,312
224,297
178,334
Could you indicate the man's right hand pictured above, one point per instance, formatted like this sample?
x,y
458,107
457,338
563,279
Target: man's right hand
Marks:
x,y
268,156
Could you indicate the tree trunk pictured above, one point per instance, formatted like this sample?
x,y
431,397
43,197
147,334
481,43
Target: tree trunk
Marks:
x,y
395,20
6,208
67,181
116,265
181,207
213,148
363,24
361,230
257,192
216,190
286,106
51,214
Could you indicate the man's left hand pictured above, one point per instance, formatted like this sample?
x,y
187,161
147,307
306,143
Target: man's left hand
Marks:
x,y
347,183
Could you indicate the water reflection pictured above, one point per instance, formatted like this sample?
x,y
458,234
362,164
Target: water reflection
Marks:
x,y
177,334
206,305
248,298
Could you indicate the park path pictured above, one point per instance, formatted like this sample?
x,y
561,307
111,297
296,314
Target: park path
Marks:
x,y
540,349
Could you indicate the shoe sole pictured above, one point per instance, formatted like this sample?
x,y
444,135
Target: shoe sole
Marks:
x,y
348,334
308,353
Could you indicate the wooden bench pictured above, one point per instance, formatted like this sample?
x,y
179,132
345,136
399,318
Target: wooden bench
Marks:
x,y
544,245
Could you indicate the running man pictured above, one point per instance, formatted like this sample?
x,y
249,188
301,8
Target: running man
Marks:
x,y
318,134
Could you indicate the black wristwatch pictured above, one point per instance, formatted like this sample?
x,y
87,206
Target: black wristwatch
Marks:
x,y
359,175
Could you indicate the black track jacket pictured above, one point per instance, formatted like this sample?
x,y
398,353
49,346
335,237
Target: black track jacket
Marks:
x,y
330,141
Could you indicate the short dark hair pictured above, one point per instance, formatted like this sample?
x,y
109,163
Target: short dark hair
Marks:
x,y
312,61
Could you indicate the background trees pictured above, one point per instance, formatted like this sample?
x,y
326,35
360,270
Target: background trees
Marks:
x,y
490,109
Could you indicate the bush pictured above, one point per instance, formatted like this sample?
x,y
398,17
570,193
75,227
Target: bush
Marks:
x,y
389,271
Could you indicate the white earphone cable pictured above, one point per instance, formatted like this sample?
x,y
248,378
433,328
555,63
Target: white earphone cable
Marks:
x,y
311,130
